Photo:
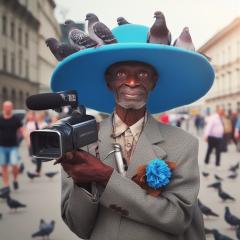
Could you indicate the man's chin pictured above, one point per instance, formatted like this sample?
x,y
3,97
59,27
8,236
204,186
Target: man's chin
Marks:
x,y
133,106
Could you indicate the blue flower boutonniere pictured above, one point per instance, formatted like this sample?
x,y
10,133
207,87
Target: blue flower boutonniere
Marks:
x,y
154,176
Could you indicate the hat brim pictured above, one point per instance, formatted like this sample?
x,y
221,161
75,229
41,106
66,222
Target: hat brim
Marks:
x,y
183,76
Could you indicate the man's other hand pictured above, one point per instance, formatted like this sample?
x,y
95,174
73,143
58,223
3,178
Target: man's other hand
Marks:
x,y
85,168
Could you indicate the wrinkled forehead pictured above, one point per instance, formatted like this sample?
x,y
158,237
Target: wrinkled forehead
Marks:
x,y
130,65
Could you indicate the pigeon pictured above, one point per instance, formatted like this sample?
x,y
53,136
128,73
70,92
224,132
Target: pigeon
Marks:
x,y
233,175
32,175
206,210
223,195
159,32
99,31
45,229
51,174
234,168
21,168
217,177
218,236
77,37
122,21
205,174
61,50
0,216
14,204
215,185
238,232
230,218
184,40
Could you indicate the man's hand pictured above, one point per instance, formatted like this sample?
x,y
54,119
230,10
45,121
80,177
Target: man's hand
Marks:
x,y
85,168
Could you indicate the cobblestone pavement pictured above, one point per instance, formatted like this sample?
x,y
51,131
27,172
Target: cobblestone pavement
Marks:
x,y
42,197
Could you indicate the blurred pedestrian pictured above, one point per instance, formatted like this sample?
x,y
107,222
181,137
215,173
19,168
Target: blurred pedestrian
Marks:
x,y
164,118
10,127
233,118
213,134
237,132
199,123
227,125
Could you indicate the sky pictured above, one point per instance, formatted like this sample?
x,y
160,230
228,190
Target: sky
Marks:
x,y
203,17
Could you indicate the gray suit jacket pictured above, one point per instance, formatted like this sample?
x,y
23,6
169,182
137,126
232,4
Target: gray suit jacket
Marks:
x,y
123,210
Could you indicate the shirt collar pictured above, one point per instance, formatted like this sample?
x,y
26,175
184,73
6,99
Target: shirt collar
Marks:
x,y
120,127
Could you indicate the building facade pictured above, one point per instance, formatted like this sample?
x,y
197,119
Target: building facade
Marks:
x,y
25,62
224,50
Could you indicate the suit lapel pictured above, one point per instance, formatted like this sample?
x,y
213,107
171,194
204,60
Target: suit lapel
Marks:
x,y
146,148
106,141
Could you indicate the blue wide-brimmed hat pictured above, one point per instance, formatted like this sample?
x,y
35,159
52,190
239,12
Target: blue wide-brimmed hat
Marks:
x,y
183,76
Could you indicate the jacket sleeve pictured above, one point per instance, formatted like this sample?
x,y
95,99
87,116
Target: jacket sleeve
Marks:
x,y
172,211
78,208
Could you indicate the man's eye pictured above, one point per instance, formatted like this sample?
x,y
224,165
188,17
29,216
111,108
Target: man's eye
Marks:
x,y
121,74
143,75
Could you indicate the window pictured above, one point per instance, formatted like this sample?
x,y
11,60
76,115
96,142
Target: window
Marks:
x,y
4,94
4,25
20,62
27,69
13,63
26,40
21,98
13,96
12,30
20,35
4,59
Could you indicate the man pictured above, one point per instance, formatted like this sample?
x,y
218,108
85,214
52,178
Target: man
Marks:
x,y
9,127
213,135
97,201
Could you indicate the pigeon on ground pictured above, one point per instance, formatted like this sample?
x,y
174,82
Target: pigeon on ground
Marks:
x,y
0,216
45,229
215,185
14,204
51,174
21,168
77,37
223,195
32,175
230,218
218,236
61,50
122,21
99,31
234,168
217,177
184,40
238,232
159,32
206,210
205,174
233,175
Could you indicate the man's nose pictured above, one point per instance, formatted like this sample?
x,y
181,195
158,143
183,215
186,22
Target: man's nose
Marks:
x,y
132,82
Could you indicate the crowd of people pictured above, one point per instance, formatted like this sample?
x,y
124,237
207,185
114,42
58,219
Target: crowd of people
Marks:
x,y
13,131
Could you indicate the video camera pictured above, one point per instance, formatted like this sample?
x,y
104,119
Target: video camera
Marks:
x,y
68,134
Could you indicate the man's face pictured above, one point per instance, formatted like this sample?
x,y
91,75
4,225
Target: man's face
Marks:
x,y
131,83
7,108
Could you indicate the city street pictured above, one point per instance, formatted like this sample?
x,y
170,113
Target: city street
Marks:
x,y
42,197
